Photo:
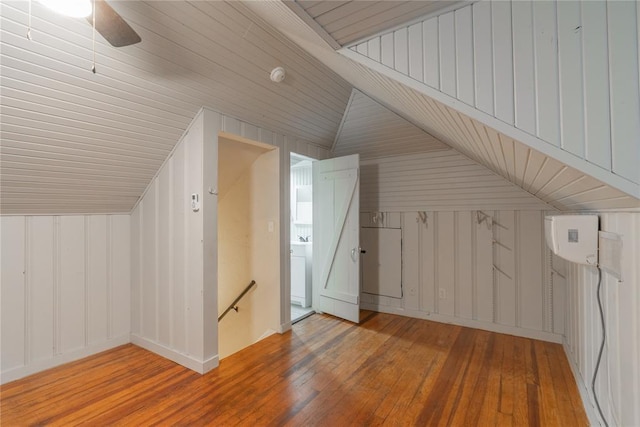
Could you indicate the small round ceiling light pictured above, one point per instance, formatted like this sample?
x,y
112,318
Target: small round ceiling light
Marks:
x,y
277,74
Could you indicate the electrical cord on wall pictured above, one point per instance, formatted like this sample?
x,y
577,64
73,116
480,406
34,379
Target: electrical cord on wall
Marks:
x,y
604,337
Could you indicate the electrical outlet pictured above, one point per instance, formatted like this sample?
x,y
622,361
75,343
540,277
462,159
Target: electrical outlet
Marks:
x,y
443,293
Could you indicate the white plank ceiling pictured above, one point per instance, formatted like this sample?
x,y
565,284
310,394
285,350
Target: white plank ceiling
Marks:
x,y
541,175
75,142
347,22
373,131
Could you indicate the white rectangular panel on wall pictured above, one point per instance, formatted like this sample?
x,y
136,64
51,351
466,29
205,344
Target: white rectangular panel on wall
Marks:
x,y
430,54
98,272
483,269
625,85
505,268
43,281
546,69
570,66
445,258
483,56
149,326
523,65
412,267
13,283
502,61
119,285
529,255
72,303
464,262
164,233
415,52
596,83
464,55
447,53
382,262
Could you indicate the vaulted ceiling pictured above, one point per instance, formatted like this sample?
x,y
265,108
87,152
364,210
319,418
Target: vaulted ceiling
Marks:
x,y
77,142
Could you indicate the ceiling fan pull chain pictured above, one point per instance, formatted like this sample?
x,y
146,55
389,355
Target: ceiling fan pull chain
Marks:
x,y
29,27
93,41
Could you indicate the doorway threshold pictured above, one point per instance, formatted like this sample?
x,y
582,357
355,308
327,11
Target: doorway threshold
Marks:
x,y
298,313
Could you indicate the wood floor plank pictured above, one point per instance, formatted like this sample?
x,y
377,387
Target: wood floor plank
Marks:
x,y
390,370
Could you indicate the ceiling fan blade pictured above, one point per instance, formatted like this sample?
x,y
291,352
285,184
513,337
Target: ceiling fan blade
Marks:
x,y
112,27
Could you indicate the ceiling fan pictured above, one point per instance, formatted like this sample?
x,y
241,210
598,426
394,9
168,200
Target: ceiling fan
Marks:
x,y
100,14
111,25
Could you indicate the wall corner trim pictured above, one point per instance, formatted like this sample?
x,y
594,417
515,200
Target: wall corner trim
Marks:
x,y
199,366
582,387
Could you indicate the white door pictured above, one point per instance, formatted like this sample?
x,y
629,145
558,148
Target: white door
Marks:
x,y
336,249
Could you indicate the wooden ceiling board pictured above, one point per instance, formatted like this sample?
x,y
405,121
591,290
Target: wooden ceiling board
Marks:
x,y
513,160
350,21
63,125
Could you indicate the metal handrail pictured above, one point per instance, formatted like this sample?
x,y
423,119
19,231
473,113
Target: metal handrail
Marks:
x,y
233,304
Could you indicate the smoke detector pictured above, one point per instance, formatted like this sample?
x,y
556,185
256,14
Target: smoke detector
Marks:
x,y
277,74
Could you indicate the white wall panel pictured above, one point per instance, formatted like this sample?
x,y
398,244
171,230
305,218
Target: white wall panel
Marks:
x,y
570,67
546,69
72,284
596,84
483,56
175,315
448,275
625,86
65,289
523,66
502,60
431,54
438,180
564,72
447,53
618,383
42,259
14,287
464,55
97,298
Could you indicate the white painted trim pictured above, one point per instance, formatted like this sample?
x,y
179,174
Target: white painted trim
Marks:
x,y
200,366
284,327
354,91
582,388
469,323
66,214
41,365
312,23
532,141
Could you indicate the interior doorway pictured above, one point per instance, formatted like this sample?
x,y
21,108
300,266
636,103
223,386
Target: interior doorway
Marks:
x,y
301,244
248,242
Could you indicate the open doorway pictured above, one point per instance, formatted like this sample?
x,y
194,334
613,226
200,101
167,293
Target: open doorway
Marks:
x,y
301,223
248,242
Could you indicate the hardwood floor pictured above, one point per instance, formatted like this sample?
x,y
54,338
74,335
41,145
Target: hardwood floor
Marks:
x,y
389,370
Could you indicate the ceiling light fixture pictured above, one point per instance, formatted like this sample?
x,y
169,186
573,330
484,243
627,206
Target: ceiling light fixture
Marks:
x,y
277,74
73,8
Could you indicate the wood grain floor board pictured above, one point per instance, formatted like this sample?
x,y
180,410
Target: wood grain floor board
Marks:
x,y
389,370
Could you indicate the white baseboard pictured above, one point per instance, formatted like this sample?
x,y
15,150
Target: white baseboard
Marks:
x,y
61,359
470,323
589,407
284,328
200,366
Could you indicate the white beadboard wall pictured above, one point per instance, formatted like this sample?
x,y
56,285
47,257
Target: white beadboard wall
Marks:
x,y
65,289
482,269
566,72
438,181
300,175
618,383
174,250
